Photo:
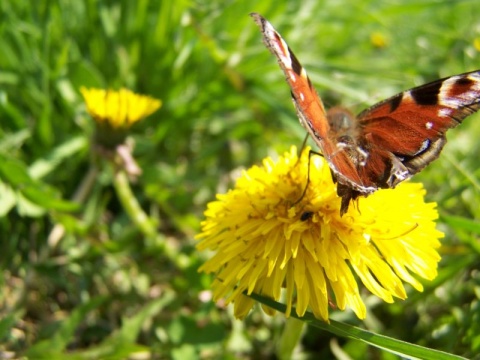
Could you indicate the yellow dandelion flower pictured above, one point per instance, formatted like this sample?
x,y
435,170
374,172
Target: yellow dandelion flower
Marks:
x,y
118,109
476,44
378,39
115,112
263,240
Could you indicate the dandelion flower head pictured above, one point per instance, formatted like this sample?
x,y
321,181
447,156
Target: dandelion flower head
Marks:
x,y
118,109
303,252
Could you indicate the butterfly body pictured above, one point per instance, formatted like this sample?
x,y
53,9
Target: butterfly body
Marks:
x,y
386,143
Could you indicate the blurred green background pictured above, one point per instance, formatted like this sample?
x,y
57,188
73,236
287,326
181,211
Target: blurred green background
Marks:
x,y
106,291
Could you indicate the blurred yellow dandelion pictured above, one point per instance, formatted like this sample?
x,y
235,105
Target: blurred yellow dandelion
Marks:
x,y
378,39
118,109
264,241
476,44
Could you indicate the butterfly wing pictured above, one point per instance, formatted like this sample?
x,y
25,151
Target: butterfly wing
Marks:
x,y
387,143
403,134
409,128
310,109
312,115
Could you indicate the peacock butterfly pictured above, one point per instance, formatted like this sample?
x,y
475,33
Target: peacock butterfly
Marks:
x,y
386,143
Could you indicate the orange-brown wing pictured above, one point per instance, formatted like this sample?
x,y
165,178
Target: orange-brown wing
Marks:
x,y
412,125
310,109
403,134
394,139
312,115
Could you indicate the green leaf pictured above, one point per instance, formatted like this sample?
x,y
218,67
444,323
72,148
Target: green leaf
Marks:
x,y
131,326
44,166
45,349
7,323
463,223
122,343
28,208
185,351
14,171
398,347
48,198
8,199
14,141
470,226
40,194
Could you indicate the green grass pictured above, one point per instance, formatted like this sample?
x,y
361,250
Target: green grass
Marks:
x,y
106,291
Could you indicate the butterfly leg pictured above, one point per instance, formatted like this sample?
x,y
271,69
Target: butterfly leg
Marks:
x,y
310,153
304,143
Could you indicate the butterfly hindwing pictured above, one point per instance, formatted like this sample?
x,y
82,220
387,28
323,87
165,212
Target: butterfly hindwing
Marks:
x,y
412,125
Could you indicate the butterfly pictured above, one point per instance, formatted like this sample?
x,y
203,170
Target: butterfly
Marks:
x,y
386,143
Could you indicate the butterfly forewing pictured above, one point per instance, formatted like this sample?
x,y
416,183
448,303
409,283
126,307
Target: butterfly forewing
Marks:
x,y
309,107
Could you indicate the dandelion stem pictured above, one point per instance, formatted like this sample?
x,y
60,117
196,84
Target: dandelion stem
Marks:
x,y
131,205
290,337
145,224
